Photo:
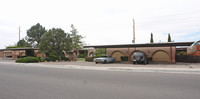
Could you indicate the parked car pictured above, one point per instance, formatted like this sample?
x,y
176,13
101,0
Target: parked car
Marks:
x,y
104,59
9,56
140,57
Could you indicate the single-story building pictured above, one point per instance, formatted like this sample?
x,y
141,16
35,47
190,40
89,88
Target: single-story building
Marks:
x,y
158,52
14,53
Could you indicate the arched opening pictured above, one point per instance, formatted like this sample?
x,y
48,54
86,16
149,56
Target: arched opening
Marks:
x,y
160,56
117,55
91,54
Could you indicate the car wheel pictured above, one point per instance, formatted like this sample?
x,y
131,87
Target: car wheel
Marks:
x,y
112,61
105,62
145,62
96,62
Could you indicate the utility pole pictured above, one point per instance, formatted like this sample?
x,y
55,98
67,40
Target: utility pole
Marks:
x,y
19,36
133,31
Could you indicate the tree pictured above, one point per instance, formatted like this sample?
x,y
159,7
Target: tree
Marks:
x,y
68,41
34,34
169,38
54,42
12,46
23,43
76,39
151,40
100,51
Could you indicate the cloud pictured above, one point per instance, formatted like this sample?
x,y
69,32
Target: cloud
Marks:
x,y
104,21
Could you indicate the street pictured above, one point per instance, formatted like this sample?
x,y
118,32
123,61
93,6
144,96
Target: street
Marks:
x,y
21,82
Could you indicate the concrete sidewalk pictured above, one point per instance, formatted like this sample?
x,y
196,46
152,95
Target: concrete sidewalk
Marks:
x,y
192,68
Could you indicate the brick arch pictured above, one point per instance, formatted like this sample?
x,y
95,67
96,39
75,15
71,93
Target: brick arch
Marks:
x,y
117,55
22,54
91,54
36,54
160,56
90,51
131,55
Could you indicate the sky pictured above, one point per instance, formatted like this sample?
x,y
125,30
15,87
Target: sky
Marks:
x,y
103,22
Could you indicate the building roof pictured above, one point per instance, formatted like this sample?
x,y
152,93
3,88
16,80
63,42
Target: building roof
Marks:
x,y
142,45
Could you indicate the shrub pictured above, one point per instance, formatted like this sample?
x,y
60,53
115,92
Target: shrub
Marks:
x,y
81,56
41,59
53,57
63,58
90,59
27,60
21,56
47,59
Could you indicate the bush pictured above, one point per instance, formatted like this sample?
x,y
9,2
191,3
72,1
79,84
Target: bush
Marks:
x,y
63,58
81,56
90,59
47,59
53,58
27,60
21,56
41,59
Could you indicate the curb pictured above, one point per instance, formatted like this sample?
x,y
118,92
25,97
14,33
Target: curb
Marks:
x,y
128,69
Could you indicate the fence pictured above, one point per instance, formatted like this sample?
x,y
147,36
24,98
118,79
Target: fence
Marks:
x,y
186,58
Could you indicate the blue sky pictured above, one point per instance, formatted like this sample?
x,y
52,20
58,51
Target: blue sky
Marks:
x,y
192,37
104,21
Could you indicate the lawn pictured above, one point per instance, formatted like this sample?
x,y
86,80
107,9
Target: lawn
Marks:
x,y
81,59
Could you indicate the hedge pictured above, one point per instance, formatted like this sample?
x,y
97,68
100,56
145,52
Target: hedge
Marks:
x,y
47,59
63,58
27,60
41,59
53,57
90,59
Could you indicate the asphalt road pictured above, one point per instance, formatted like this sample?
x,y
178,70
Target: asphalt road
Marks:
x,y
21,82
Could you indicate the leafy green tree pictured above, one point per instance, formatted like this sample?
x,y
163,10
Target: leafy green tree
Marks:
x,y
12,46
68,43
151,40
34,34
76,39
23,43
54,42
169,38
100,51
